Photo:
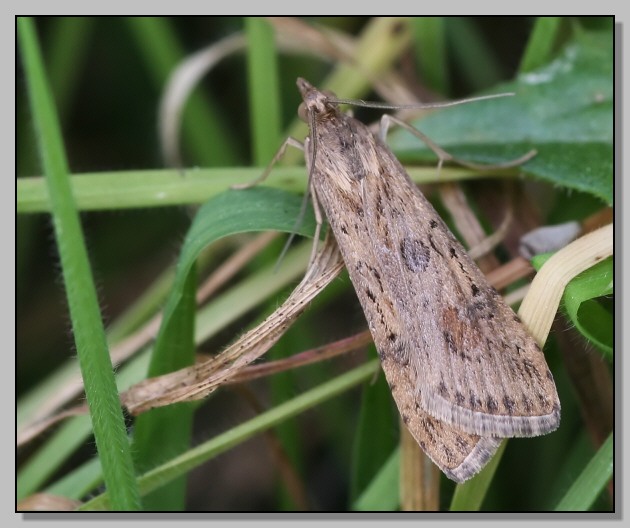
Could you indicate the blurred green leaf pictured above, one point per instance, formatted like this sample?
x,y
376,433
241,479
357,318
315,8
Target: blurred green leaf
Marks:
x,y
475,59
383,493
429,34
541,43
376,435
591,481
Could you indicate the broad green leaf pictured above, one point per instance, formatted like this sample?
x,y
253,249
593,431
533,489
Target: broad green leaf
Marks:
x,y
564,110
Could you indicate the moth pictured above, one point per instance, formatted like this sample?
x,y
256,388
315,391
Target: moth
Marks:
x,y
463,370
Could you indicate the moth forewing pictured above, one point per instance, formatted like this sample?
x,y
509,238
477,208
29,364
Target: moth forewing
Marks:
x,y
460,364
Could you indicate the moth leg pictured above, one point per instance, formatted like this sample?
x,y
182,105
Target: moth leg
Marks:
x,y
278,155
289,141
319,220
443,156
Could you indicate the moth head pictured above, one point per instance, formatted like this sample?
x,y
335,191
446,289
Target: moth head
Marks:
x,y
314,101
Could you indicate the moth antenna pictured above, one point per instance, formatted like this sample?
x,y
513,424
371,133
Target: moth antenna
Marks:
x,y
416,106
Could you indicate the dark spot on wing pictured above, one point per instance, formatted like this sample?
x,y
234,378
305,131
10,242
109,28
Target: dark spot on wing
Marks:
x,y
474,401
400,355
509,404
531,369
415,254
448,337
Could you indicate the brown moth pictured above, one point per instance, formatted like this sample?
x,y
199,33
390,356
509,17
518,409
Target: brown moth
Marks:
x,y
463,370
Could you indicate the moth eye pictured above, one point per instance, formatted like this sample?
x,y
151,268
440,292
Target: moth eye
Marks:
x,y
303,112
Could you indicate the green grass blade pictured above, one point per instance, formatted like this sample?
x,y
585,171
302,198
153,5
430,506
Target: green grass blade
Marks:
x,y
69,437
539,50
58,448
431,54
66,56
469,495
78,483
587,487
264,96
96,368
168,429
159,188
383,493
374,437
475,59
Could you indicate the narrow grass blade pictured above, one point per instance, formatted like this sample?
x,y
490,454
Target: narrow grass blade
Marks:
x,y
89,334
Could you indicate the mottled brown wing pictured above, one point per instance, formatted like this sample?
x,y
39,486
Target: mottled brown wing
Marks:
x,y
477,367
458,454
